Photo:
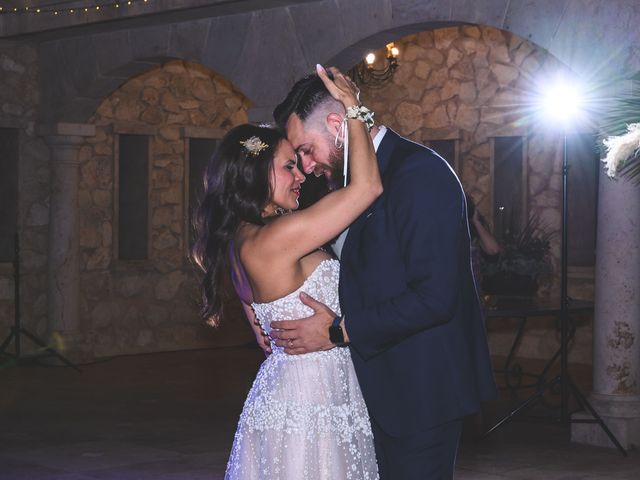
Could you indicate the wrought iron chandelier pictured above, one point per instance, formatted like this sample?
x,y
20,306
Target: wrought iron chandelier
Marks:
x,y
373,73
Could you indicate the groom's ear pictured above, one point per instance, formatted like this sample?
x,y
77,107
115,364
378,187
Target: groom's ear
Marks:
x,y
333,122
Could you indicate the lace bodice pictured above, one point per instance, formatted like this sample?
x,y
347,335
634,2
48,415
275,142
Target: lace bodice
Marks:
x,y
321,284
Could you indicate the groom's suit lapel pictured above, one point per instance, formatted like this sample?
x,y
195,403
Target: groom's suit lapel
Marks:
x,y
383,155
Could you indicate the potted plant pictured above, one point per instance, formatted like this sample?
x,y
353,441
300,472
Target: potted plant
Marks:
x,y
523,260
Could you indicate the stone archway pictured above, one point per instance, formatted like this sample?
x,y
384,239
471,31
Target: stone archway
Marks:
x,y
149,303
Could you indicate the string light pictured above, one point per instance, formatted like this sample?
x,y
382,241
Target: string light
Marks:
x,y
97,7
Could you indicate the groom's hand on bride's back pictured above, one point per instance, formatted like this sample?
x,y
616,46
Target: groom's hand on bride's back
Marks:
x,y
310,334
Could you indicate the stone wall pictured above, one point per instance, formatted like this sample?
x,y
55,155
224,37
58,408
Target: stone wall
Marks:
x,y
19,102
472,83
151,305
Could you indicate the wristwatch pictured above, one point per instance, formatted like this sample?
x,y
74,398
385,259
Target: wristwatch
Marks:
x,y
336,335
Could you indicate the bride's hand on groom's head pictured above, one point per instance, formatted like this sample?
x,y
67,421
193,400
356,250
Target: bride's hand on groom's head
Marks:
x,y
341,87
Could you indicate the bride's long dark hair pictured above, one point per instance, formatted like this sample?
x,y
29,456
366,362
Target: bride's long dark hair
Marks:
x,y
236,190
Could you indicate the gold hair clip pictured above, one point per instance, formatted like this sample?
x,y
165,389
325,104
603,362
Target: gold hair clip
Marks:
x,y
253,145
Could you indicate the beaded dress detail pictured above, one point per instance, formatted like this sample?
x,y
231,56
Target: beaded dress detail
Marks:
x,y
304,417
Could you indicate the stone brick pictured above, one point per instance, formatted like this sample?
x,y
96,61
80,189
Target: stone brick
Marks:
x,y
530,65
169,133
452,109
467,92
98,259
107,234
165,240
159,79
170,103
190,104
438,118
168,285
127,109
500,54
438,78
434,56
492,115
203,89
150,95
172,195
409,117
104,148
450,89
102,198
454,57
200,119
430,100
471,31
131,285
467,117
176,118
153,115
239,117
412,52
422,69
163,216
425,39
443,37
504,74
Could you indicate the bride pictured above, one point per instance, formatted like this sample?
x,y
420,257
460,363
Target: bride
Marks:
x,y
304,417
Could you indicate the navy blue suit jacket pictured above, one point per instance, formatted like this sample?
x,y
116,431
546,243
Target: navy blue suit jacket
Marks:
x,y
417,334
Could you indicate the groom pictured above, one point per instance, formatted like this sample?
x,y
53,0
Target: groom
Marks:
x,y
411,314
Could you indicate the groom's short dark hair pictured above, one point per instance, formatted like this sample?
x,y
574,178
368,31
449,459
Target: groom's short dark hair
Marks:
x,y
303,98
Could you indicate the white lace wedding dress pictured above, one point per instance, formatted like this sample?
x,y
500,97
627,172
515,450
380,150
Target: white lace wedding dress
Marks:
x,y
304,417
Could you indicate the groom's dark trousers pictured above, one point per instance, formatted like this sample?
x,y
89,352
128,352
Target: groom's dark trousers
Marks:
x,y
412,313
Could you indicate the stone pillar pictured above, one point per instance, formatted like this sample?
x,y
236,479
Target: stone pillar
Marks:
x,y
64,140
616,329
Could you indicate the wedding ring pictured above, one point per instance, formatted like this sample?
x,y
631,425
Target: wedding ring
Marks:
x,y
290,343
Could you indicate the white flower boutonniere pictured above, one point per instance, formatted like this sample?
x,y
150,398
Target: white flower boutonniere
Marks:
x,y
621,149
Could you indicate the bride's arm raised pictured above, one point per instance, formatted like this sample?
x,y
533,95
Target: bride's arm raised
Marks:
x,y
307,230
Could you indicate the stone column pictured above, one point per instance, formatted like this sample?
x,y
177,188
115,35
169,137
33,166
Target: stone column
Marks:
x,y
616,329
64,140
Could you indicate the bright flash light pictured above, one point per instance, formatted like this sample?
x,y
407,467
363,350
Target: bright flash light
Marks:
x,y
395,52
370,59
562,102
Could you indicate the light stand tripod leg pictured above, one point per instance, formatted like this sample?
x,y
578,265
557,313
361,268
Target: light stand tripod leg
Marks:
x,y
17,329
7,340
523,406
49,350
597,418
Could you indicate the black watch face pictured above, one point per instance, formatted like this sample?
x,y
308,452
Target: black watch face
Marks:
x,y
335,335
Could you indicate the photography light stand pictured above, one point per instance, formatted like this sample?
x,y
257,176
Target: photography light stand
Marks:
x,y
17,330
564,380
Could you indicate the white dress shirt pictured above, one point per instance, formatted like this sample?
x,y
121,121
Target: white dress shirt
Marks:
x,y
339,242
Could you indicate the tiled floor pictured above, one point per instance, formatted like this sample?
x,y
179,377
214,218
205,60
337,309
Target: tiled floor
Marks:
x,y
171,416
